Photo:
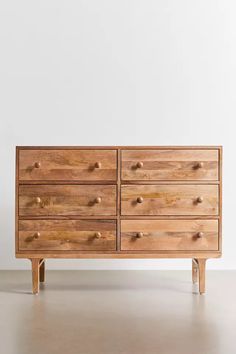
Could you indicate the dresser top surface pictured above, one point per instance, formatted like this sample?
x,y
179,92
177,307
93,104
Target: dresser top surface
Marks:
x,y
115,147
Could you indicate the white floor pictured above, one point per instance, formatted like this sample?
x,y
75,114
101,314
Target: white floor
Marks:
x,y
111,312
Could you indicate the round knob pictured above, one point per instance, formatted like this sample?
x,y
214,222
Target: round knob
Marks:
x,y
98,235
200,234
139,199
37,235
98,200
38,200
199,165
37,164
199,199
68,240
139,234
98,165
139,164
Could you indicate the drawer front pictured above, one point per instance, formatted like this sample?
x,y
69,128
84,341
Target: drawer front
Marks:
x,y
169,200
49,200
170,165
67,235
169,235
73,165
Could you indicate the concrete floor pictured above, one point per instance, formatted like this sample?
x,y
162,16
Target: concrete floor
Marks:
x,y
111,312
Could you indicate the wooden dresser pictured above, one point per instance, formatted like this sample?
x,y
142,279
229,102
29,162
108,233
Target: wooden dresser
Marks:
x,y
118,202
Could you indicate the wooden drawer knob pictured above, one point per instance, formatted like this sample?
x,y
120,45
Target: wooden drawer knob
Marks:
x,y
98,235
37,235
139,199
139,234
98,200
199,165
139,164
199,199
98,165
37,164
38,200
200,234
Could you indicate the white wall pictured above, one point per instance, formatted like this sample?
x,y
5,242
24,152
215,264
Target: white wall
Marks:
x,y
105,72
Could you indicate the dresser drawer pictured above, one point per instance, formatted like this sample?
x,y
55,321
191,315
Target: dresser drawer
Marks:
x,y
170,164
67,235
69,164
49,200
169,235
169,200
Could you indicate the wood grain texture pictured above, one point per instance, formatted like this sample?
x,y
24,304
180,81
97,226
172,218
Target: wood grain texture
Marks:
x,y
118,200
46,200
35,275
178,235
68,179
169,200
118,254
67,165
16,200
170,164
42,271
201,274
67,235
194,271
121,147
220,151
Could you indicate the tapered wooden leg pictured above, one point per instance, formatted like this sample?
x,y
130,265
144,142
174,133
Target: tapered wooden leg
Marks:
x,y
194,270
42,271
35,275
201,270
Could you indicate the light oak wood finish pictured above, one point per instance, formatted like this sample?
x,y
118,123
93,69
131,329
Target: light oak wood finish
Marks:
x,y
169,200
48,200
201,274
35,275
67,165
118,202
170,165
67,235
169,235
119,255
42,271
194,270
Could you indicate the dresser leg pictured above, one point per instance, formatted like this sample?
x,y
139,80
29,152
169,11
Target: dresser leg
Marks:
x,y
201,274
35,275
194,270
42,271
